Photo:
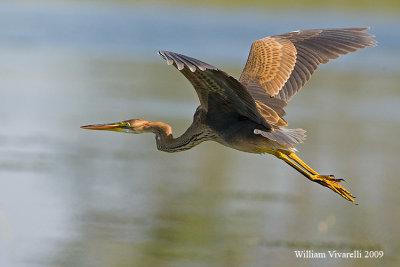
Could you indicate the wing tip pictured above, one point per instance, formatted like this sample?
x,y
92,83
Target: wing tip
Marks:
x,y
181,61
371,42
164,55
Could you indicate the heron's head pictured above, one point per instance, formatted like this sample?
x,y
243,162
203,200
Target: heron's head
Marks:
x,y
135,126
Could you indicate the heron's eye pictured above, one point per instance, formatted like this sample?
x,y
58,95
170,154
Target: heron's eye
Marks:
x,y
125,124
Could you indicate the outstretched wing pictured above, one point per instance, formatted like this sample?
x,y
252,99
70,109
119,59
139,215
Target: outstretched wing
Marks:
x,y
270,63
215,87
279,66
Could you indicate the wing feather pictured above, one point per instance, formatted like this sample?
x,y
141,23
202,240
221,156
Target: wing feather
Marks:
x,y
227,91
319,46
311,48
269,57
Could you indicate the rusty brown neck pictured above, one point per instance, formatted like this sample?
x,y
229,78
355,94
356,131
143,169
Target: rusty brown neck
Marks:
x,y
193,136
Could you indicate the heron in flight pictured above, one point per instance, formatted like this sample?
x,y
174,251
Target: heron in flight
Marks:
x,y
247,114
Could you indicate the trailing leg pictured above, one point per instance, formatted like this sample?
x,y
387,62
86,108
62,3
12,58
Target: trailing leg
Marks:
x,y
325,180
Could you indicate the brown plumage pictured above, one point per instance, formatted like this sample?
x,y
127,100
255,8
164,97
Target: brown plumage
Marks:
x,y
247,114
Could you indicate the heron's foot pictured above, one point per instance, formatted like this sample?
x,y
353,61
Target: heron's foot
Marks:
x,y
333,183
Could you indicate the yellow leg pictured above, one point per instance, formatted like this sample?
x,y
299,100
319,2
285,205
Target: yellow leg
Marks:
x,y
325,180
294,157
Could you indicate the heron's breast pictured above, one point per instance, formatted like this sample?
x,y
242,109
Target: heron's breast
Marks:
x,y
254,144
241,137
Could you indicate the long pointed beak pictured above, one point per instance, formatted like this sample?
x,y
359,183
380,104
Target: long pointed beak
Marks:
x,y
115,126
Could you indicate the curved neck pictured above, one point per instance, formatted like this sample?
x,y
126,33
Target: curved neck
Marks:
x,y
193,136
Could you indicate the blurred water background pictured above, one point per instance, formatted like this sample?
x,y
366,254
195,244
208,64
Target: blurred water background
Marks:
x,y
70,197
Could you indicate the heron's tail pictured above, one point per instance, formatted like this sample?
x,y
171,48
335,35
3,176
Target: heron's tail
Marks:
x,y
284,136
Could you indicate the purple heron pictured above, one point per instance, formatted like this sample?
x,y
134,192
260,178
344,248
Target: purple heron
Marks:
x,y
247,114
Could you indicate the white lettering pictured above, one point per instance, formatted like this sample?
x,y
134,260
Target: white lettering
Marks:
x,y
299,254
309,254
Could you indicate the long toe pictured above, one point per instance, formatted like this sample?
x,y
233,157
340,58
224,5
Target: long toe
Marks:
x,y
332,183
331,177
